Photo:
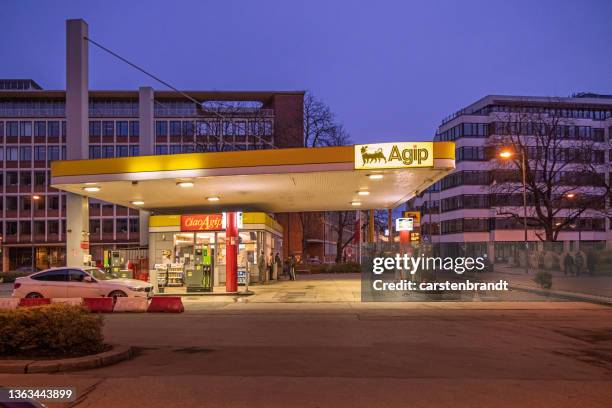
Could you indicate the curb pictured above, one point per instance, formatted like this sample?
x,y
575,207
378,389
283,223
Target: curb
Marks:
x,y
598,300
113,356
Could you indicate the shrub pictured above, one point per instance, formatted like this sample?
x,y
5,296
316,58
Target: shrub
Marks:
x,y
55,330
9,277
345,267
544,279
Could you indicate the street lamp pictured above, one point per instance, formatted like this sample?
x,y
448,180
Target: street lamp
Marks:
x,y
508,154
575,225
34,198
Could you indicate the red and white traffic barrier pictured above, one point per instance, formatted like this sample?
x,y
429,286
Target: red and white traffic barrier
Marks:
x,y
68,301
131,304
99,304
156,304
8,303
166,304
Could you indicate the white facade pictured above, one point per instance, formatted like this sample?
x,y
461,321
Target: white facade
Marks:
x,y
462,216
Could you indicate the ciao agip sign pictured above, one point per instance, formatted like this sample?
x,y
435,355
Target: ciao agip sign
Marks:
x,y
207,222
393,155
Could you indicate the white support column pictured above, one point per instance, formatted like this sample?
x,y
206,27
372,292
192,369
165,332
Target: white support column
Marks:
x,y
77,90
146,115
143,218
77,136
77,229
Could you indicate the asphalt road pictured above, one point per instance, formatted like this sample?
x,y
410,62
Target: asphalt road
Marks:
x,y
354,355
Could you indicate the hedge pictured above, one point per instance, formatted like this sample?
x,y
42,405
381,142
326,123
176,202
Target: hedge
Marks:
x,y
9,277
56,330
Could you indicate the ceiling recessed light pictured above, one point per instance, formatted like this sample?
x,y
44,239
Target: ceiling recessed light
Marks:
x,y
214,198
185,184
363,192
375,176
355,203
137,202
92,189
35,197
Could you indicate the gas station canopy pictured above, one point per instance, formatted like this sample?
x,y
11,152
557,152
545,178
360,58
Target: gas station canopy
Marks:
x,y
373,176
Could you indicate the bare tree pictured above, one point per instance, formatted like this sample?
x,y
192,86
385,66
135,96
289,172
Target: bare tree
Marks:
x,y
320,127
561,165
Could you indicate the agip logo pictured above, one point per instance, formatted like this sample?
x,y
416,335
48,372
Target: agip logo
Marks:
x,y
394,155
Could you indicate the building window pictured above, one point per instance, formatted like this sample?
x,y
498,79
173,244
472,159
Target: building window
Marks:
x,y
107,226
25,153
12,178
108,151
12,129
26,178
134,150
122,225
95,152
161,149
53,227
11,203
53,153
134,128
108,128
40,153
188,128
53,202
40,129
39,228
2,154
94,226
11,228
95,128
134,225
25,228
122,128
161,128
39,178
175,149
12,154
175,128
53,129
122,151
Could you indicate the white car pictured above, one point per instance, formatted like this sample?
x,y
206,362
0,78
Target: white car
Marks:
x,y
83,282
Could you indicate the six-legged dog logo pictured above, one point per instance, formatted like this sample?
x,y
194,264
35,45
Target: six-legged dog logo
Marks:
x,y
377,156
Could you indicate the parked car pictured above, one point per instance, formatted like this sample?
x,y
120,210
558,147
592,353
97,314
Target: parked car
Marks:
x,y
78,282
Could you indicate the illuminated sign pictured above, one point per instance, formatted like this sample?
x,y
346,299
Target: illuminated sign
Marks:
x,y
239,223
202,222
415,215
394,155
404,224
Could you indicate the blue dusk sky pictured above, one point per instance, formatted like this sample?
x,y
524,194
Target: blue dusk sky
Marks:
x,y
390,70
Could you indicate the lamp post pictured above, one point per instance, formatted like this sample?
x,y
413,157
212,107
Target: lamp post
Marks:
x,y
508,154
576,225
34,199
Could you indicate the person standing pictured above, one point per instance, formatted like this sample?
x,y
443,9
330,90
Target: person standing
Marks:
x,y
261,265
292,268
279,265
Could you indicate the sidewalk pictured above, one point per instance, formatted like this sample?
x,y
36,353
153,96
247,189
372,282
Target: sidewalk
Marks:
x,y
591,288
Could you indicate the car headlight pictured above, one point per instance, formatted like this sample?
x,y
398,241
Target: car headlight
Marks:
x,y
139,289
